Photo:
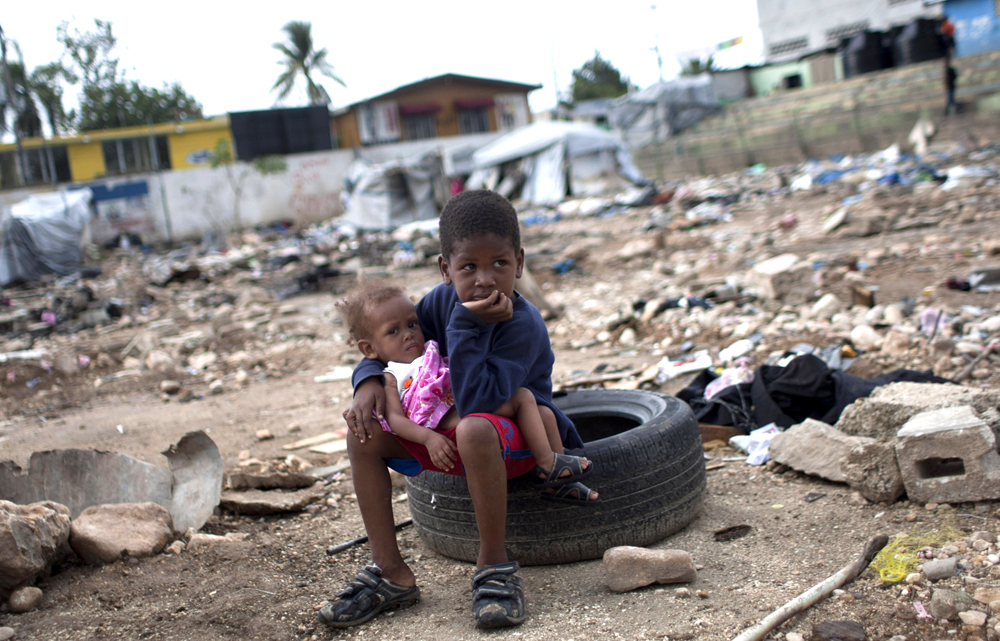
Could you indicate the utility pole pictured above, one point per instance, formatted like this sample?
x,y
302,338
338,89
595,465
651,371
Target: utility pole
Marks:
x,y
656,46
19,161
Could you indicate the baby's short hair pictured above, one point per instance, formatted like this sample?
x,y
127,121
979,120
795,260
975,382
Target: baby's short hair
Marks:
x,y
356,307
475,213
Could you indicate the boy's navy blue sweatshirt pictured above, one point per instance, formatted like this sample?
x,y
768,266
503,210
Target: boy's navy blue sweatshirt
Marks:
x,y
488,362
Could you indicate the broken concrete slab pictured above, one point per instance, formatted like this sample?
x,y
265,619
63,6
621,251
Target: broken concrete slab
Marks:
x,y
628,568
30,539
259,502
948,455
103,533
881,414
871,469
815,448
78,479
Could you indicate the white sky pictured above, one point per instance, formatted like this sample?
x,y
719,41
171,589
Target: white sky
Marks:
x,y
221,51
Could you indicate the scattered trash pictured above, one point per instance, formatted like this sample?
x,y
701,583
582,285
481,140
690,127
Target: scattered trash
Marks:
x,y
755,443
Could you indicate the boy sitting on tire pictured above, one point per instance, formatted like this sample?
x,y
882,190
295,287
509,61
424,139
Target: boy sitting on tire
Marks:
x,y
496,342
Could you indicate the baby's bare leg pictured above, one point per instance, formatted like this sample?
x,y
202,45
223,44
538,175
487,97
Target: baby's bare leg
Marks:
x,y
551,429
524,410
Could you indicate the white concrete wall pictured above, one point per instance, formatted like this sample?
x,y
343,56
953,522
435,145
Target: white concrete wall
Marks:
x,y
200,200
785,20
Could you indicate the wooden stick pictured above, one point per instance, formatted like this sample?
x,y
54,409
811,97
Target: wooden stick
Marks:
x,y
967,372
819,591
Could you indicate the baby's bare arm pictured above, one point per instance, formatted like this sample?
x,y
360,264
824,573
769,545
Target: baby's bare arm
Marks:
x,y
396,417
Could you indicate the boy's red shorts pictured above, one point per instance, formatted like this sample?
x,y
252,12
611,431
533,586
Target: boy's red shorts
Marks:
x,y
516,455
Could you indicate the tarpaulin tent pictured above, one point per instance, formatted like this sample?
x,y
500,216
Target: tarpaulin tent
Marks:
x,y
662,109
390,194
42,235
556,159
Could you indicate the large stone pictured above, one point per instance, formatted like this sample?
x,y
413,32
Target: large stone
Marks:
x,y
941,568
948,456
25,599
881,414
203,360
871,469
946,604
30,539
160,361
815,448
629,567
783,277
103,533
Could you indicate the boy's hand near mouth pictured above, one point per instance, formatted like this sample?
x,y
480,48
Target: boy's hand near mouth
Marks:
x,y
495,308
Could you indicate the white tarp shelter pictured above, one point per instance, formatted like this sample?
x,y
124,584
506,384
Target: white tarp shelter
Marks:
x,y
42,235
663,109
557,159
390,194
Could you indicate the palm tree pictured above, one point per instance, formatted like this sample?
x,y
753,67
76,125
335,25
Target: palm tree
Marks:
x,y
300,57
47,88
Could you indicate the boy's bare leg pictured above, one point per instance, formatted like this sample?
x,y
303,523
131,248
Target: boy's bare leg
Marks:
x,y
374,491
479,445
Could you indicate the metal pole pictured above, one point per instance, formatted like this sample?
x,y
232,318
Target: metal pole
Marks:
x,y
155,157
19,160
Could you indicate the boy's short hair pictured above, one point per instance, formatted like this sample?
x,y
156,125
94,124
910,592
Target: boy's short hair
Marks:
x,y
475,213
356,307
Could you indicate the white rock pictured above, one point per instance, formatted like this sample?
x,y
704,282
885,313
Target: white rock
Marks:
x,y
893,314
827,306
991,325
627,337
6,633
875,314
215,387
159,361
866,338
203,360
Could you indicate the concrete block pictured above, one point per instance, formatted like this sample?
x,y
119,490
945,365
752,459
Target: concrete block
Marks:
x,y
881,414
783,277
871,469
815,448
948,456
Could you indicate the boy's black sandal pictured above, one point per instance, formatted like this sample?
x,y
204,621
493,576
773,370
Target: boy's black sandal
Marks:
x,y
364,597
497,597
564,494
563,463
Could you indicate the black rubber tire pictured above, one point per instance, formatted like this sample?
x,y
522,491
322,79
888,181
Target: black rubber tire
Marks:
x,y
649,469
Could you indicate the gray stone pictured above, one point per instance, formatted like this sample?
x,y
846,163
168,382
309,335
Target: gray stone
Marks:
x,y
24,599
102,533
815,448
6,633
30,539
941,568
871,469
946,604
948,456
629,567
881,414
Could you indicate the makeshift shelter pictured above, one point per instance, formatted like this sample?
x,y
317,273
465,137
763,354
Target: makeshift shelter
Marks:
x,y
548,161
42,235
390,194
663,109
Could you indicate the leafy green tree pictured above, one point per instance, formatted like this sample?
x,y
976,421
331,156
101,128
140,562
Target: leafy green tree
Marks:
x,y
47,85
695,67
302,58
21,103
598,78
222,156
107,98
